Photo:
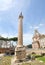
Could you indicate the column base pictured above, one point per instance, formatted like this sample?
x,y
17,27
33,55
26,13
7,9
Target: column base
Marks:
x,y
20,55
15,61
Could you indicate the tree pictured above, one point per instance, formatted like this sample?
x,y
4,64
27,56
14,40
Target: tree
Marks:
x,y
29,46
9,39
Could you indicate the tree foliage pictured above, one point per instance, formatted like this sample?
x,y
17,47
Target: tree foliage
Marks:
x,y
9,39
29,46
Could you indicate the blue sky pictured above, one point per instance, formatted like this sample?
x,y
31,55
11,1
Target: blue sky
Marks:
x,y
34,18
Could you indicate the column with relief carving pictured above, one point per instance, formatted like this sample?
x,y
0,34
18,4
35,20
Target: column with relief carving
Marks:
x,y
20,31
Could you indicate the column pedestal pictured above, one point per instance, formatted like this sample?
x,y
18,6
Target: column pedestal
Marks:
x,y
20,55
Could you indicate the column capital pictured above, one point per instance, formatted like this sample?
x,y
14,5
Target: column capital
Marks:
x,y
21,16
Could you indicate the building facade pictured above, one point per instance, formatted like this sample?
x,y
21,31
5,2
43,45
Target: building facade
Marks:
x,y
38,40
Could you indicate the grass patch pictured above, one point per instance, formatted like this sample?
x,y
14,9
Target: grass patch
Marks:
x,y
26,64
5,60
42,58
33,63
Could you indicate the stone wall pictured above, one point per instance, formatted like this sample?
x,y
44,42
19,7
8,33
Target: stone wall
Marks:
x,y
36,51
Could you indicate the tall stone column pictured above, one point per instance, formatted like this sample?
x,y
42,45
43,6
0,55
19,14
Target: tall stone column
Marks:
x,y
20,50
20,31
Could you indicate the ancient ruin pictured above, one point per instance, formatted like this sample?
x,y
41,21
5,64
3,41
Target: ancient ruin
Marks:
x,y
38,40
20,51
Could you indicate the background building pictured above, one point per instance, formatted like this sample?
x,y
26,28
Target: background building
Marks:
x,y
38,40
6,46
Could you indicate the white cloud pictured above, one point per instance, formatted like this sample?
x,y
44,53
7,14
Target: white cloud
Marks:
x,y
4,35
5,4
27,38
18,4
8,35
41,24
36,27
